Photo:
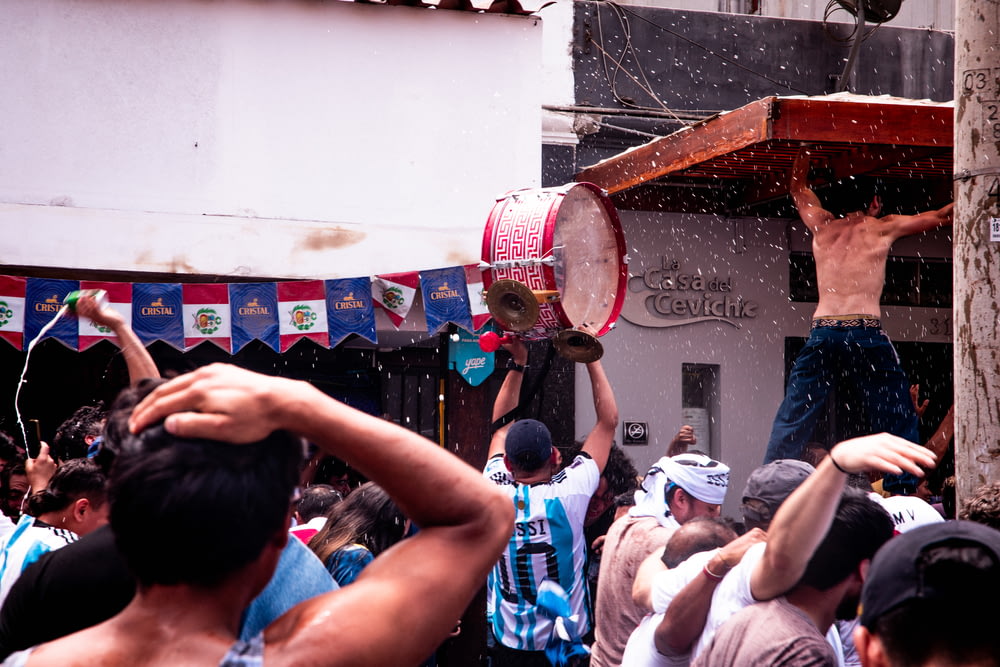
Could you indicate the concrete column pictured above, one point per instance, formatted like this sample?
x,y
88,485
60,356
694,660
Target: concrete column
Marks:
x,y
977,244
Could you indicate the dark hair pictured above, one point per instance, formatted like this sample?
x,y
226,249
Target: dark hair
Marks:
x,y
194,511
859,528
8,449
852,194
922,631
79,478
619,472
701,533
983,506
70,441
368,517
317,500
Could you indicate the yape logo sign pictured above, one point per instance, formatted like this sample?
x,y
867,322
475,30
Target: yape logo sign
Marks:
x,y
671,295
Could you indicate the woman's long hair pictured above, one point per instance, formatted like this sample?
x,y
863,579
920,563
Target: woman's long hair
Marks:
x,y
367,517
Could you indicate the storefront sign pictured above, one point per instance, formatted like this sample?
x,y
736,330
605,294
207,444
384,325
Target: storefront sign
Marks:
x,y
670,295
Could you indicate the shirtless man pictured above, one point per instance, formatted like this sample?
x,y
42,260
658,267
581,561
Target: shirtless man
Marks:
x,y
847,344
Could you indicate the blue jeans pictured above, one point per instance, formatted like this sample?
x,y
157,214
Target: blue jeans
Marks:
x,y
857,359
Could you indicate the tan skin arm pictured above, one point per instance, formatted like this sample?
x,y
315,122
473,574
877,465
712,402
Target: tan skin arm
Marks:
x,y
938,443
905,225
685,618
642,586
804,518
137,358
465,521
598,442
509,394
810,209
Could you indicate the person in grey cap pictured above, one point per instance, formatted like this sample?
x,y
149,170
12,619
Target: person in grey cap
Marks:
x,y
930,599
550,504
768,486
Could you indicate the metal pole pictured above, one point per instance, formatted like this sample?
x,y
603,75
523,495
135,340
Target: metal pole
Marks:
x,y
977,244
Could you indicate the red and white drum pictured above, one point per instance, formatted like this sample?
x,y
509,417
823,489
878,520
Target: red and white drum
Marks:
x,y
567,239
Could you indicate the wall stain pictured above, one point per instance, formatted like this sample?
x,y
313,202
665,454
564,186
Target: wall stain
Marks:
x,y
330,239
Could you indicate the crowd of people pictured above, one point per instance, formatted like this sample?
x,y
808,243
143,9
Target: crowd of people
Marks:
x,y
232,518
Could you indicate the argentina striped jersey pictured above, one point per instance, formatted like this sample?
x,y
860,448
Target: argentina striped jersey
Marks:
x,y
547,543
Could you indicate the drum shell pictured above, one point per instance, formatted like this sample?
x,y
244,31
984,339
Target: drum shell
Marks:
x,y
522,226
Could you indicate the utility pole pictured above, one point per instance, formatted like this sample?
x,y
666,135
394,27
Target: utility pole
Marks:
x,y
977,244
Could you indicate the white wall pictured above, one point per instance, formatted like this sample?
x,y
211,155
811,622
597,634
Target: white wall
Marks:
x,y
292,139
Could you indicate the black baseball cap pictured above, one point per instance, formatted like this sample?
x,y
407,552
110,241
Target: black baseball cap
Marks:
x,y
896,574
529,444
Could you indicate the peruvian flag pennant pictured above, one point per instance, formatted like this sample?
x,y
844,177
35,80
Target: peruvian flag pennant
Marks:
x,y
394,293
477,297
119,300
302,312
12,310
207,316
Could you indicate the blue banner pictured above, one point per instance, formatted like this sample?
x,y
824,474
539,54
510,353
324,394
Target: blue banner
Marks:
x,y
468,359
42,300
254,311
349,309
158,313
446,298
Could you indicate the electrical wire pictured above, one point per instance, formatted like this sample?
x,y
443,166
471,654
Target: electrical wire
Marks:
x,y
708,50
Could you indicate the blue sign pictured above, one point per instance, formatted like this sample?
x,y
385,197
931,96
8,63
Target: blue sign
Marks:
x,y
468,359
349,309
43,298
158,313
446,298
254,312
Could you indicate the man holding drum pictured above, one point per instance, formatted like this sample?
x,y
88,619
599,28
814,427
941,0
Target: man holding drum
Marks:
x,y
550,505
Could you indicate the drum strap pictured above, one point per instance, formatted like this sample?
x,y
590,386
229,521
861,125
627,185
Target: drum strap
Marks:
x,y
528,391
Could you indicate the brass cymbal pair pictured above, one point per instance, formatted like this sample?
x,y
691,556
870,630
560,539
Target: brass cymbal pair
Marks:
x,y
515,307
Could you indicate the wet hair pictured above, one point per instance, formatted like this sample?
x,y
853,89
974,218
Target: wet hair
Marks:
x,y
701,533
947,630
859,528
70,441
983,506
368,517
317,500
187,511
73,480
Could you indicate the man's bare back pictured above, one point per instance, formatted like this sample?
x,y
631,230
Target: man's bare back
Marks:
x,y
851,252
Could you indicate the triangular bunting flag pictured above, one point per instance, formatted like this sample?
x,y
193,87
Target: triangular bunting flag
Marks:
x,y
158,313
302,312
477,297
119,299
12,310
207,316
445,298
349,309
254,307
394,293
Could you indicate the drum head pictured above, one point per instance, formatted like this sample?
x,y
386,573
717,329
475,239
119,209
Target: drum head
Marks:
x,y
589,250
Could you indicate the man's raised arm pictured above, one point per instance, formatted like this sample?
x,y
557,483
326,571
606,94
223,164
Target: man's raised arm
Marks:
x,y
509,394
810,209
803,520
598,442
137,358
905,225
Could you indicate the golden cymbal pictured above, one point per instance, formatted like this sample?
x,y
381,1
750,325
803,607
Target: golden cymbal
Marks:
x,y
578,346
512,304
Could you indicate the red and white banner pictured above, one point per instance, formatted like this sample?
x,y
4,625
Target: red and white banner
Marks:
x,y
302,312
119,300
477,297
207,315
394,293
12,310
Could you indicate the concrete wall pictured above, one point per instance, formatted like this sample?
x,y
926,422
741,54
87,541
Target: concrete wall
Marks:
x,y
280,139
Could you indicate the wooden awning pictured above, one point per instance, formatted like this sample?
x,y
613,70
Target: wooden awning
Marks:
x,y
738,162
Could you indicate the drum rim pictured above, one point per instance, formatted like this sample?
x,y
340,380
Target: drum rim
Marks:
x,y
549,272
